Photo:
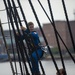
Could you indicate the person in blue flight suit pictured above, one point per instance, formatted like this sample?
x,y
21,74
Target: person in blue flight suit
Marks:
x,y
34,57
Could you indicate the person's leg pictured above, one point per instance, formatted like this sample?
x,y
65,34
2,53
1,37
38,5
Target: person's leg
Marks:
x,y
34,61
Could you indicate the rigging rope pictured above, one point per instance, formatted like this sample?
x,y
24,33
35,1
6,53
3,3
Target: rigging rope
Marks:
x,y
43,34
12,25
65,11
28,28
14,57
57,32
16,13
50,8
12,14
7,48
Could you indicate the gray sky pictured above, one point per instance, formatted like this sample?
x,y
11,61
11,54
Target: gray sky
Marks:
x,y
56,7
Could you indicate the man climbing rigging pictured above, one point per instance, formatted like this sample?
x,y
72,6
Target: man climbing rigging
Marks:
x,y
35,52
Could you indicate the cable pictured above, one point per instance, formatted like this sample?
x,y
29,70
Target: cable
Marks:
x,y
43,34
57,32
49,4
7,48
65,11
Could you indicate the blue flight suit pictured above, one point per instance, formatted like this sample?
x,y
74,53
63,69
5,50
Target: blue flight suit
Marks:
x,y
34,57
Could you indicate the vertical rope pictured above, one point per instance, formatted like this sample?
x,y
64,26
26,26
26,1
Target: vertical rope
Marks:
x,y
65,12
18,30
43,34
11,21
12,45
22,54
49,4
19,57
23,14
57,32
7,49
30,37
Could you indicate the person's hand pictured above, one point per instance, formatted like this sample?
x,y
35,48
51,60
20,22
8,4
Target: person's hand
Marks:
x,y
23,28
17,33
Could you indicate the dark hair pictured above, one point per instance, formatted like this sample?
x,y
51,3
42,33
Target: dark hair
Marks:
x,y
30,23
62,71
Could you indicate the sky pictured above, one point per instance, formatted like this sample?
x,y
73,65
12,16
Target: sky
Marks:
x,y
56,5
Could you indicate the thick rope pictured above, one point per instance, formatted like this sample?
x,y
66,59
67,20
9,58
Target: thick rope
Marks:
x,y
50,8
10,20
30,37
7,49
68,24
22,54
43,34
57,32
14,57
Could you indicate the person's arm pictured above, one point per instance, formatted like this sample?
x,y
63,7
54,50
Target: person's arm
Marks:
x,y
25,30
22,36
19,37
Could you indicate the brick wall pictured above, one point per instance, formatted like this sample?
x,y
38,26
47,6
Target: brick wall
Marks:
x,y
62,29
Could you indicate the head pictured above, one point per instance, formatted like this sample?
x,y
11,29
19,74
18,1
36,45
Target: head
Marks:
x,y
31,26
62,72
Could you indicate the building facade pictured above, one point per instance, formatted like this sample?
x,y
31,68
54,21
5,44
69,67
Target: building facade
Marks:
x,y
63,30
61,27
